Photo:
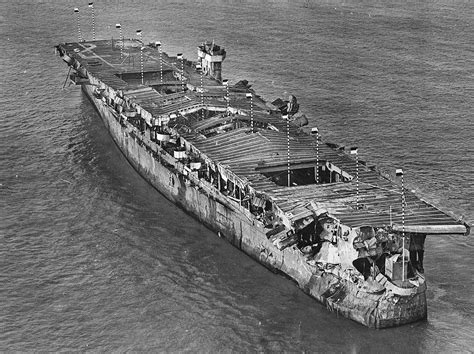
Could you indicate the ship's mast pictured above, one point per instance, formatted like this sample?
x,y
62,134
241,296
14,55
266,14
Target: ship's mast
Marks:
x,y
399,172
140,39
91,6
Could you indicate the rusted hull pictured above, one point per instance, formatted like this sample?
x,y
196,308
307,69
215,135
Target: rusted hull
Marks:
x,y
240,227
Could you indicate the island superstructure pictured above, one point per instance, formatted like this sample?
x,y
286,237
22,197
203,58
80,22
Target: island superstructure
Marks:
x,y
258,175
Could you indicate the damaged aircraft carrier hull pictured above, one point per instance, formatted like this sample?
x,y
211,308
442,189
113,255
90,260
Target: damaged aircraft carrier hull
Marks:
x,y
238,226
248,169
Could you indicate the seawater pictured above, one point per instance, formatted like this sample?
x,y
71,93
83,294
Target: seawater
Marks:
x,y
93,258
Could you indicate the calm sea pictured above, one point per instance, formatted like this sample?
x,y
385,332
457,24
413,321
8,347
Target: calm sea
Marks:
x,y
93,258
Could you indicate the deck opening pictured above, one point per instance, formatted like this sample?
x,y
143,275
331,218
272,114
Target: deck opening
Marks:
x,y
305,173
152,78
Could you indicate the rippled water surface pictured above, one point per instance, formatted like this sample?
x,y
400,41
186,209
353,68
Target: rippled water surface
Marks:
x,y
93,258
